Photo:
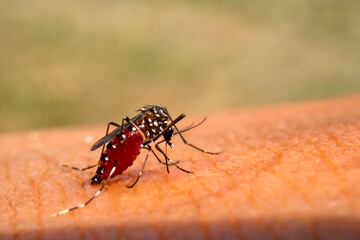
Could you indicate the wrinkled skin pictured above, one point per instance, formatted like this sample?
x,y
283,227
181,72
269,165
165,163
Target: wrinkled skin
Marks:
x,y
287,171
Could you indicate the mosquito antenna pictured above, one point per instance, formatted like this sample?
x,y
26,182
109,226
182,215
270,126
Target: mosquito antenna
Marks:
x,y
192,126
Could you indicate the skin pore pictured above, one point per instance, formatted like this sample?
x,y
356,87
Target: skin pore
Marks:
x,y
287,171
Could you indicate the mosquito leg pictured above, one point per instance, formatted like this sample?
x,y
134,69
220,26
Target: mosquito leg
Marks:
x,y
107,131
172,163
127,119
79,169
189,144
147,155
168,127
141,171
92,166
167,158
192,126
104,184
92,198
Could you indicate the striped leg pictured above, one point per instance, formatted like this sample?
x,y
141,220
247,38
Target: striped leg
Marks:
x,y
79,169
167,158
186,142
92,198
141,171
92,166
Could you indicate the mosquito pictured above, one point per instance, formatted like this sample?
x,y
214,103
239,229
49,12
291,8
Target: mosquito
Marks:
x,y
121,146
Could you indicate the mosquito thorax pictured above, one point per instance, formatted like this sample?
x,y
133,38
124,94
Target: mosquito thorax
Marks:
x,y
155,119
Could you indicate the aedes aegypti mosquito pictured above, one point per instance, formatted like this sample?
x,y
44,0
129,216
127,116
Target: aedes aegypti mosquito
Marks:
x,y
126,140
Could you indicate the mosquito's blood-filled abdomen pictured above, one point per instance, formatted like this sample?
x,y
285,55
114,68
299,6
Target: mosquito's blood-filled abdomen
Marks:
x,y
125,151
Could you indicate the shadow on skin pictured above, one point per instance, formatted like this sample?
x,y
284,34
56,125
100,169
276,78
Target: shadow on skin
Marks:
x,y
302,228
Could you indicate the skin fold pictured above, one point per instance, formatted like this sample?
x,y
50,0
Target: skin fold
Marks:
x,y
289,171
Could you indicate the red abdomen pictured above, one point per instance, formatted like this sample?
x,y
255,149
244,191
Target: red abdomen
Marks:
x,y
124,151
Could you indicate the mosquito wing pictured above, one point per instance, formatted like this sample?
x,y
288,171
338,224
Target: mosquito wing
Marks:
x,y
108,137
114,132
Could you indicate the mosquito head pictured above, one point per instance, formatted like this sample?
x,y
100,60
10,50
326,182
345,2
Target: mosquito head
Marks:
x,y
168,134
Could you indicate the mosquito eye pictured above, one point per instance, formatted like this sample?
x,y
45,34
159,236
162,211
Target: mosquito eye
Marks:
x,y
168,134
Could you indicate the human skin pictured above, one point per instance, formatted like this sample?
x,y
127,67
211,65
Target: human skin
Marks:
x,y
290,171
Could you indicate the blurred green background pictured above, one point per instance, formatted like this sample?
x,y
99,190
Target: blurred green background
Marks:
x,y
90,62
